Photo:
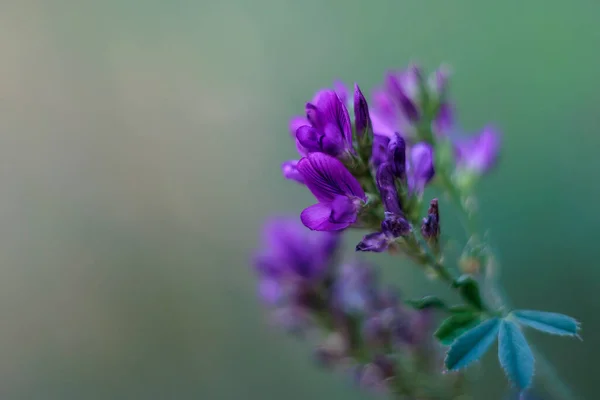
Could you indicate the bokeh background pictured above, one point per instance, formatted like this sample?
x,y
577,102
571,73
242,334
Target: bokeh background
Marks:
x,y
140,144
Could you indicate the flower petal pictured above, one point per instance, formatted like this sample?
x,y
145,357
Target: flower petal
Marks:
x,y
380,150
270,290
343,210
327,177
421,167
397,152
329,109
387,189
290,171
361,112
296,122
318,218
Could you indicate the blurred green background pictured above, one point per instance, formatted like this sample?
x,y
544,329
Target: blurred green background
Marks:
x,y
140,144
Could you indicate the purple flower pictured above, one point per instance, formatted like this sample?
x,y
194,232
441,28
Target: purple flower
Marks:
x,y
444,120
339,194
397,154
386,186
478,154
392,227
329,130
292,257
361,112
395,106
420,170
290,171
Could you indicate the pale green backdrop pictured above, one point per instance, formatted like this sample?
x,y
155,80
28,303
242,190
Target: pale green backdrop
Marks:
x,y
140,144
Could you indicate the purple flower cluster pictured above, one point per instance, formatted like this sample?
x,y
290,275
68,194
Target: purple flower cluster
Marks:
x,y
364,326
386,154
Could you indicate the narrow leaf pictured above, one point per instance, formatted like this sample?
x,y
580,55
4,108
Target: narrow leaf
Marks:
x,y
428,302
553,323
455,325
469,289
515,354
471,345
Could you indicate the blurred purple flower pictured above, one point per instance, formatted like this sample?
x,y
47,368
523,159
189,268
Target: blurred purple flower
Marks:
x,y
292,257
339,194
395,106
355,288
420,169
478,154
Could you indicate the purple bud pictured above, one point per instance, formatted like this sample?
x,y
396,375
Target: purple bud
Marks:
x,y
387,189
444,120
397,152
361,112
325,141
380,150
421,167
376,242
430,229
395,226
290,171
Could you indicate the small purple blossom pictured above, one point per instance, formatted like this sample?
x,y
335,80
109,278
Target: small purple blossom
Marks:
x,y
397,155
385,180
393,226
420,170
339,194
478,154
329,130
292,255
395,106
361,113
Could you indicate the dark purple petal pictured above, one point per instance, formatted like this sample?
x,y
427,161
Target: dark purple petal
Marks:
x,y
361,112
326,177
380,150
376,242
421,167
387,189
444,120
397,152
327,140
329,110
290,171
395,226
401,93
318,218
297,122
344,210
480,153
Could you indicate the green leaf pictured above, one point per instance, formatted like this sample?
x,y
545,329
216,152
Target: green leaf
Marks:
x,y
455,325
548,322
515,355
469,290
428,302
471,345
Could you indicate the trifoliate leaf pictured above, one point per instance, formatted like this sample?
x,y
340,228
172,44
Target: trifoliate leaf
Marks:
x,y
471,345
549,322
515,354
469,289
455,325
